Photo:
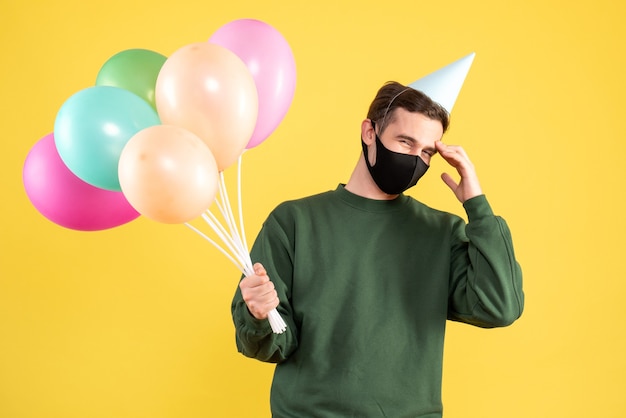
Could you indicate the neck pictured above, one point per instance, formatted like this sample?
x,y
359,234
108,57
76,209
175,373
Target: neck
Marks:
x,y
362,184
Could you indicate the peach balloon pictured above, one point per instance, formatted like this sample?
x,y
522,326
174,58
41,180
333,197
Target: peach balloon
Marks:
x,y
208,90
168,174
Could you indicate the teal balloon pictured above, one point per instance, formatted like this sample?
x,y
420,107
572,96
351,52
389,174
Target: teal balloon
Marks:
x,y
135,70
93,126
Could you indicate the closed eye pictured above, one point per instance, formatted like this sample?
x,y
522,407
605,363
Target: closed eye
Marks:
x,y
407,140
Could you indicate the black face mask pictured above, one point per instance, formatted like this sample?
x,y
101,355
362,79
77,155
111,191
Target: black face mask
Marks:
x,y
394,172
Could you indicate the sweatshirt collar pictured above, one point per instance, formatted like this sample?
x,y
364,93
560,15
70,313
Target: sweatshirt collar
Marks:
x,y
370,205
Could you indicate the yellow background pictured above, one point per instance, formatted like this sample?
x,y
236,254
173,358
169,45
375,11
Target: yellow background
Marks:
x,y
134,322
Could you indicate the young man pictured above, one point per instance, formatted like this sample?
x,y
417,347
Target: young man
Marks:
x,y
365,276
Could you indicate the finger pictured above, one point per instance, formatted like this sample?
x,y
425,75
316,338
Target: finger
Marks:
x,y
263,291
273,304
261,303
253,281
443,147
447,178
449,153
261,309
457,152
270,298
267,289
461,151
456,149
259,294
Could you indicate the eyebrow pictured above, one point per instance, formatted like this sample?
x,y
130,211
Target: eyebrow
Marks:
x,y
431,150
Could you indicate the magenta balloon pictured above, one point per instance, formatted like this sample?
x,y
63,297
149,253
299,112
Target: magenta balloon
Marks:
x,y
65,199
269,59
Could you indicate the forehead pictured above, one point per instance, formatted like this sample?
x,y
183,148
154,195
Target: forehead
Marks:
x,y
403,122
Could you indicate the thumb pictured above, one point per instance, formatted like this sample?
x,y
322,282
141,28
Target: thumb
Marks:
x,y
259,270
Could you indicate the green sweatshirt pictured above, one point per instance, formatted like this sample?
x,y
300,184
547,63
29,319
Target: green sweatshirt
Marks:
x,y
365,287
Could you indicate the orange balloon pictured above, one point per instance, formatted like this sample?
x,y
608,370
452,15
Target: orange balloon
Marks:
x,y
208,90
168,174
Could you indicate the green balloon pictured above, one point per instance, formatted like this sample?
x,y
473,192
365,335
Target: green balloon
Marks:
x,y
135,70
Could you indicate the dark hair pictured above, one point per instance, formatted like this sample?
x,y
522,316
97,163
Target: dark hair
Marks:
x,y
393,95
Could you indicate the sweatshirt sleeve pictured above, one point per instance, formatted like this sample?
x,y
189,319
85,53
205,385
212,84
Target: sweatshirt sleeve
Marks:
x,y
254,337
485,278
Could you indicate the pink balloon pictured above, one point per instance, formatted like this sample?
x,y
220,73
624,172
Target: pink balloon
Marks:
x,y
270,61
65,199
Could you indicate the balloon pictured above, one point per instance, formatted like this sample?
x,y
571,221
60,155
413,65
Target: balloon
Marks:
x,y
208,90
168,174
65,199
92,127
135,70
270,61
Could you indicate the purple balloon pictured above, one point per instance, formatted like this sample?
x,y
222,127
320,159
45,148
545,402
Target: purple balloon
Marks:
x,y
65,199
270,61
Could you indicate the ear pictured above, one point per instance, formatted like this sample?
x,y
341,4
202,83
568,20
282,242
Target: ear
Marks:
x,y
367,132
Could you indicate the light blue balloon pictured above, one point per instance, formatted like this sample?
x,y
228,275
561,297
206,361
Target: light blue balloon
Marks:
x,y
93,126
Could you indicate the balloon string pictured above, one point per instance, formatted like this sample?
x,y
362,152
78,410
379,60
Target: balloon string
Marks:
x,y
210,215
224,234
225,239
230,238
230,232
227,213
234,239
239,235
216,245
276,321
240,201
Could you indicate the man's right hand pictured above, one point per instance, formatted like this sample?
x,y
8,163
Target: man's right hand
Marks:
x,y
258,292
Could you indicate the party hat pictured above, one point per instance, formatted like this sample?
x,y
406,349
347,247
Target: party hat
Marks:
x,y
443,85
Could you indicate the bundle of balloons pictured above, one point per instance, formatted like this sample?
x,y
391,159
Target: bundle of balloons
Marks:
x,y
154,135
